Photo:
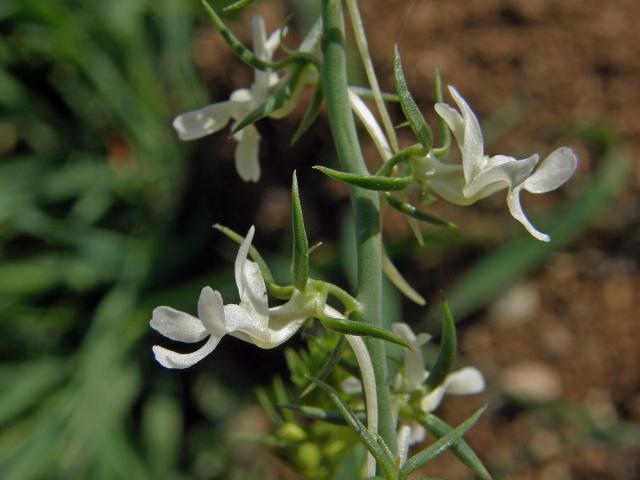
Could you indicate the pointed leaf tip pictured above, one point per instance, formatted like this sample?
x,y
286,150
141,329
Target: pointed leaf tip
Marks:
x,y
300,257
448,350
369,182
439,446
418,124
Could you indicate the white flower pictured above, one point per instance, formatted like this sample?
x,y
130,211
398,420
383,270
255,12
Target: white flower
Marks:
x,y
465,381
214,117
250,320
482,175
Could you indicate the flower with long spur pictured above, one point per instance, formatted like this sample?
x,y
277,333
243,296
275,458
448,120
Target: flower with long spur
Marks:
x,y
242,102
250,320
481,175
465,381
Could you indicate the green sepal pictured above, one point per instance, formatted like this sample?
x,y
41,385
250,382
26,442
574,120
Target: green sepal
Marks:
x,y
413,212
328,416
237,5
445,133
448,351
275,102
369,182
311,114
421,130
331,362
386,462
300,257
460,449
439,446
361,329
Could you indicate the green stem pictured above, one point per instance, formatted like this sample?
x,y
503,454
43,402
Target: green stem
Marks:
x,y
366,204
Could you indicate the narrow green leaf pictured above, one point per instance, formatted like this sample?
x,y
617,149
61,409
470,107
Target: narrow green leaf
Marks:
x,y
460,449
445,134
267,406
331,362
361,329
237,5
236,45
276,101
448,350
246,55
386,462
370,182
436,448
253,252
413,212
280,393
421,130
364,92
311,114
300,257
315,413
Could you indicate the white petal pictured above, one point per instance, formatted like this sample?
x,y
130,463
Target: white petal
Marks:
x,y
418,434
255,291
465,381
258,36
431,401
177,325
170,359
211,311
403,441
242,97
297,307
554,170
351,385
202,122
515,208
403,331
473,145
241,259
505,174
413,361
453,120
245,325
247,161
273,42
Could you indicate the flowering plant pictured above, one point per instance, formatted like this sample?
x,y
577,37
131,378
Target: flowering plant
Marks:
x,y
398,409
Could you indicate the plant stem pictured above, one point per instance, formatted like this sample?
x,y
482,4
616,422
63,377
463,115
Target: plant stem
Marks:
x,y
366,204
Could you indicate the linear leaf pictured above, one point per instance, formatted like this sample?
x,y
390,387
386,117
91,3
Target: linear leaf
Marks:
x,y
436,448
311,114
418,124
368,440
448,350
413,212
370,182
331,362
361,329
300,257
316,413
460,449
